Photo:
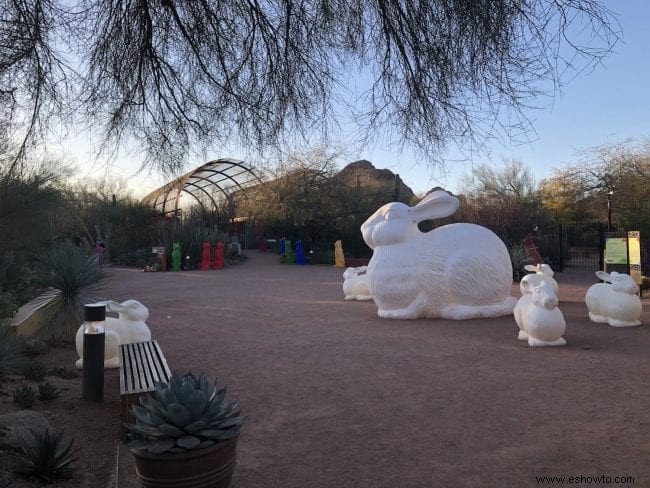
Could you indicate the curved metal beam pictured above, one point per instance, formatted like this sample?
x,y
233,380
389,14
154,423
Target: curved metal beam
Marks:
x,y
222,174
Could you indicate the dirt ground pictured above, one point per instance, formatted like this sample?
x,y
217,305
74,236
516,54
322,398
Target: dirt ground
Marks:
x,y
336,397
93,426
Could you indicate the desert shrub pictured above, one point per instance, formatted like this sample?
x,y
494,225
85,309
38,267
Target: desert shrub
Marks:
x,y
8,306
15,285
35,371
322,257
12,358
138,258
47,391
190,232
519,259
24,397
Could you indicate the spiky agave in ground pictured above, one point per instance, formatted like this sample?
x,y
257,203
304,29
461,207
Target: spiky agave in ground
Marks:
x,y
47,391
46,456
188,413
24,397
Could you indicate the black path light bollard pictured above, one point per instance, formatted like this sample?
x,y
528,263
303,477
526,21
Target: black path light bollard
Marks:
x,y
93,356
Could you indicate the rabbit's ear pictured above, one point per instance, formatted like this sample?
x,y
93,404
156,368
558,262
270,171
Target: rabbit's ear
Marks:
x,y
546,269
604,276
114,306
530,267
435,205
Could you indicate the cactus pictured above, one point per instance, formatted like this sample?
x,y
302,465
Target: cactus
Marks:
x,y
188,413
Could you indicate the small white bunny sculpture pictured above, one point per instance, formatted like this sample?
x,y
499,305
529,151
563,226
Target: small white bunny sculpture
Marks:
x,y
355,286
129,327
540,321
545,271
615,304
457,271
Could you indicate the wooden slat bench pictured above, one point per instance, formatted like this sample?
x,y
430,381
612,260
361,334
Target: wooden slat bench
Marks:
x,y
142,364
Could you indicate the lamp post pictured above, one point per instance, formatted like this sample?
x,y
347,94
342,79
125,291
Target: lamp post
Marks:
x,y
93,355
609,210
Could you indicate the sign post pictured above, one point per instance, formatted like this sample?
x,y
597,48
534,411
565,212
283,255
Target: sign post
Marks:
x,y
634,251
160,251
615,254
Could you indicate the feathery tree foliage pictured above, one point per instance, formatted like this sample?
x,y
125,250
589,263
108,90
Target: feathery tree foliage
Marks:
x,y
175,76
503,199
580,191
306,197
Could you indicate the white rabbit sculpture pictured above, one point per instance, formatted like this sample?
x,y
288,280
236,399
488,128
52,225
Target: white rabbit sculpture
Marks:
x,y
355,286
129,327
615,302
545,271
457,271
540,321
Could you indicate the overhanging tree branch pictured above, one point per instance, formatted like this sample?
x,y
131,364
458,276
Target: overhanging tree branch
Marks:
x,y
177,76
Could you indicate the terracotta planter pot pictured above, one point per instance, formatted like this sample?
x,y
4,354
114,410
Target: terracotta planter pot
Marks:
x,y
211,467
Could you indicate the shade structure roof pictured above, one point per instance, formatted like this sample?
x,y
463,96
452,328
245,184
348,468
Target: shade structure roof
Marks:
x,y
208,185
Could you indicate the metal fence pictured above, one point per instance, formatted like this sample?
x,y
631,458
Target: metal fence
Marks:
x,y
580,246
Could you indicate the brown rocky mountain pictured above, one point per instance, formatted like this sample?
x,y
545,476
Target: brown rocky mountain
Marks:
x,y
364,174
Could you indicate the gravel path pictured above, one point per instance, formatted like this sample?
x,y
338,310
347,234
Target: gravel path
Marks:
x,y
336,397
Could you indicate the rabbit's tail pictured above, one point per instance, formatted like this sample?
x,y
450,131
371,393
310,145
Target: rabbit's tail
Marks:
x,y
464,312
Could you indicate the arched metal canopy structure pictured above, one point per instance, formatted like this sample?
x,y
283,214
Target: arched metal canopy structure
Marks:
x,y
208,185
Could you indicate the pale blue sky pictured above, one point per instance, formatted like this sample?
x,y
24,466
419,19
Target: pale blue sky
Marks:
x,y
608,105
603,106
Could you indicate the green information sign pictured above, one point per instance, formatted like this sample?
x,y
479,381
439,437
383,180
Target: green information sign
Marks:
x,y
616,250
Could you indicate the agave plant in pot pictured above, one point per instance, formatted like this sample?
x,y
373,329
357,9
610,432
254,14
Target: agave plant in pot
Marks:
x,y
185,434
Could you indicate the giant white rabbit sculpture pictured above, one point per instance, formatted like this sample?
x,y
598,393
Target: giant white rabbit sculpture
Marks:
x,y
457,271
128,328
615,304
355,286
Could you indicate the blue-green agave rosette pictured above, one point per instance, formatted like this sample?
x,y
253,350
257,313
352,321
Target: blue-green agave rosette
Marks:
x,y
188,413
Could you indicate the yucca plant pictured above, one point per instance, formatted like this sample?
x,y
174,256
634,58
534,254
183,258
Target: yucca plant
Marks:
x,y
188,413
46,456
5,480
12,358
70,279
47,391
24,397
